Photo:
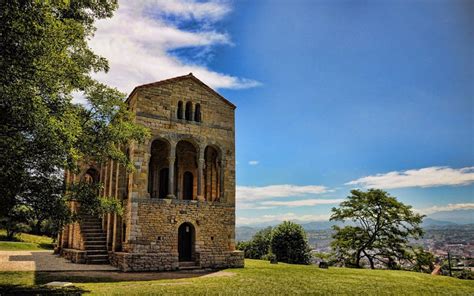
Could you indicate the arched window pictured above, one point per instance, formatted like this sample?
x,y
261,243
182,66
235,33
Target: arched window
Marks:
x,y
158,169
163,183
180,110
197,113
189,111
188,187
91,176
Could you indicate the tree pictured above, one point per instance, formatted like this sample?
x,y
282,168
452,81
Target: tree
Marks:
x,y
44,59
258,246
382,228
423,261
289,243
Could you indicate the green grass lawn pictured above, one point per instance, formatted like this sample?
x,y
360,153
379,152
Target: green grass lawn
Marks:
x,y
261,278
25,242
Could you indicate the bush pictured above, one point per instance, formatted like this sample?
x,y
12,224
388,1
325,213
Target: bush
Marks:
x,y
289,243
258,246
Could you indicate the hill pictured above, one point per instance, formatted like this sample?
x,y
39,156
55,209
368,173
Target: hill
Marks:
x,y
25,242
257,278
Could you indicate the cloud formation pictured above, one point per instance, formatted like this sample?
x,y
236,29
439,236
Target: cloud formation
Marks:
x,y
281,218
446,208
139,39
302,202
253,162
254,193
425,177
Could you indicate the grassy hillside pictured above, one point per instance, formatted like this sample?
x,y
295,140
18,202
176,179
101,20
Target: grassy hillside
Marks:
x,y
261,278
25,242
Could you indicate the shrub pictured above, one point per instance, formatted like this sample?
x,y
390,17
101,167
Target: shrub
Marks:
x,y
258,246
289,243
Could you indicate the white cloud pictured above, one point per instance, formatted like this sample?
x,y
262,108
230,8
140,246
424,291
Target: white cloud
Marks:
x,y
302,203
253,193
282,217
252,206
138,39
425,177
446,208
253,162
188,9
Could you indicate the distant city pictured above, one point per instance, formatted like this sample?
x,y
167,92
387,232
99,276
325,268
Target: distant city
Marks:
x,y
440,238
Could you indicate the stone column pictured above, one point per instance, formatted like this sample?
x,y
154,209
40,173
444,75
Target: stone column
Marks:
x,y
171,160
221,181
116,227
200,162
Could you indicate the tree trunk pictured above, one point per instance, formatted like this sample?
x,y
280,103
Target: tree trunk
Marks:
x,y
10,233
357,263
38,227
371,260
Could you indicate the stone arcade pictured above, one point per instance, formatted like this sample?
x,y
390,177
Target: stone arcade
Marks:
x,y
180,199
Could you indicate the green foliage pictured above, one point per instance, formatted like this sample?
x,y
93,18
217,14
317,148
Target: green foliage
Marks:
x,y
45,58
258,246
289,243
464,274
383,226
89,203
423,261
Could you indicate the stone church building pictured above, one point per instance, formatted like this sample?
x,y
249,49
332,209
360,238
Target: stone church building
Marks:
x,y
180,200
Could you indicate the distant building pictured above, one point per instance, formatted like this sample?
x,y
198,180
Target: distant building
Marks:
x,y
180,200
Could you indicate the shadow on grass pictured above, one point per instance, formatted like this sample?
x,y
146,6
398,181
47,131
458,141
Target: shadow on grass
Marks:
x,y
5,238
114,276
46,246
39,290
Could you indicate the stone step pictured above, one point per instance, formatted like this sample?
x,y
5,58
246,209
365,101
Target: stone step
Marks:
x,y
93,226
95,243
89,229
95,222
187,264
98,256
93,238
98,261
97,252
188,267
96,248
93,232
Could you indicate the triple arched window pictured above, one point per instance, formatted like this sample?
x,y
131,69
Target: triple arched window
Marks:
x,y
186,112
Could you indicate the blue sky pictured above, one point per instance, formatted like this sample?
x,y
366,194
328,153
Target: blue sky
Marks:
x,y
331,95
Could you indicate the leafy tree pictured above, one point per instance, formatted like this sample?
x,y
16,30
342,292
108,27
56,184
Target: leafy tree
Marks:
x,y
44,59
423,261
289,243
382,228
258,246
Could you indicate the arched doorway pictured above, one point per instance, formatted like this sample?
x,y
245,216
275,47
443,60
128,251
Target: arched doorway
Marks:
x,y
186,170
188,187
186,237
163,189
212,173
158,169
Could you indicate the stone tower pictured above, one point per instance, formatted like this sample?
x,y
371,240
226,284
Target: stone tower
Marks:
x,y
180,199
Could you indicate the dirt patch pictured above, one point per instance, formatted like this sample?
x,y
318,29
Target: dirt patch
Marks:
x,y
219,274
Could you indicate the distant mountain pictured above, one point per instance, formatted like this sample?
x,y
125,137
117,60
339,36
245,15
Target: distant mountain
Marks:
x,y
319,225
245,233
430,222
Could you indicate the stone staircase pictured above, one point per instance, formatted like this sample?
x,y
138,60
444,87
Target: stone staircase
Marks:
x,y
95,241
188,265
